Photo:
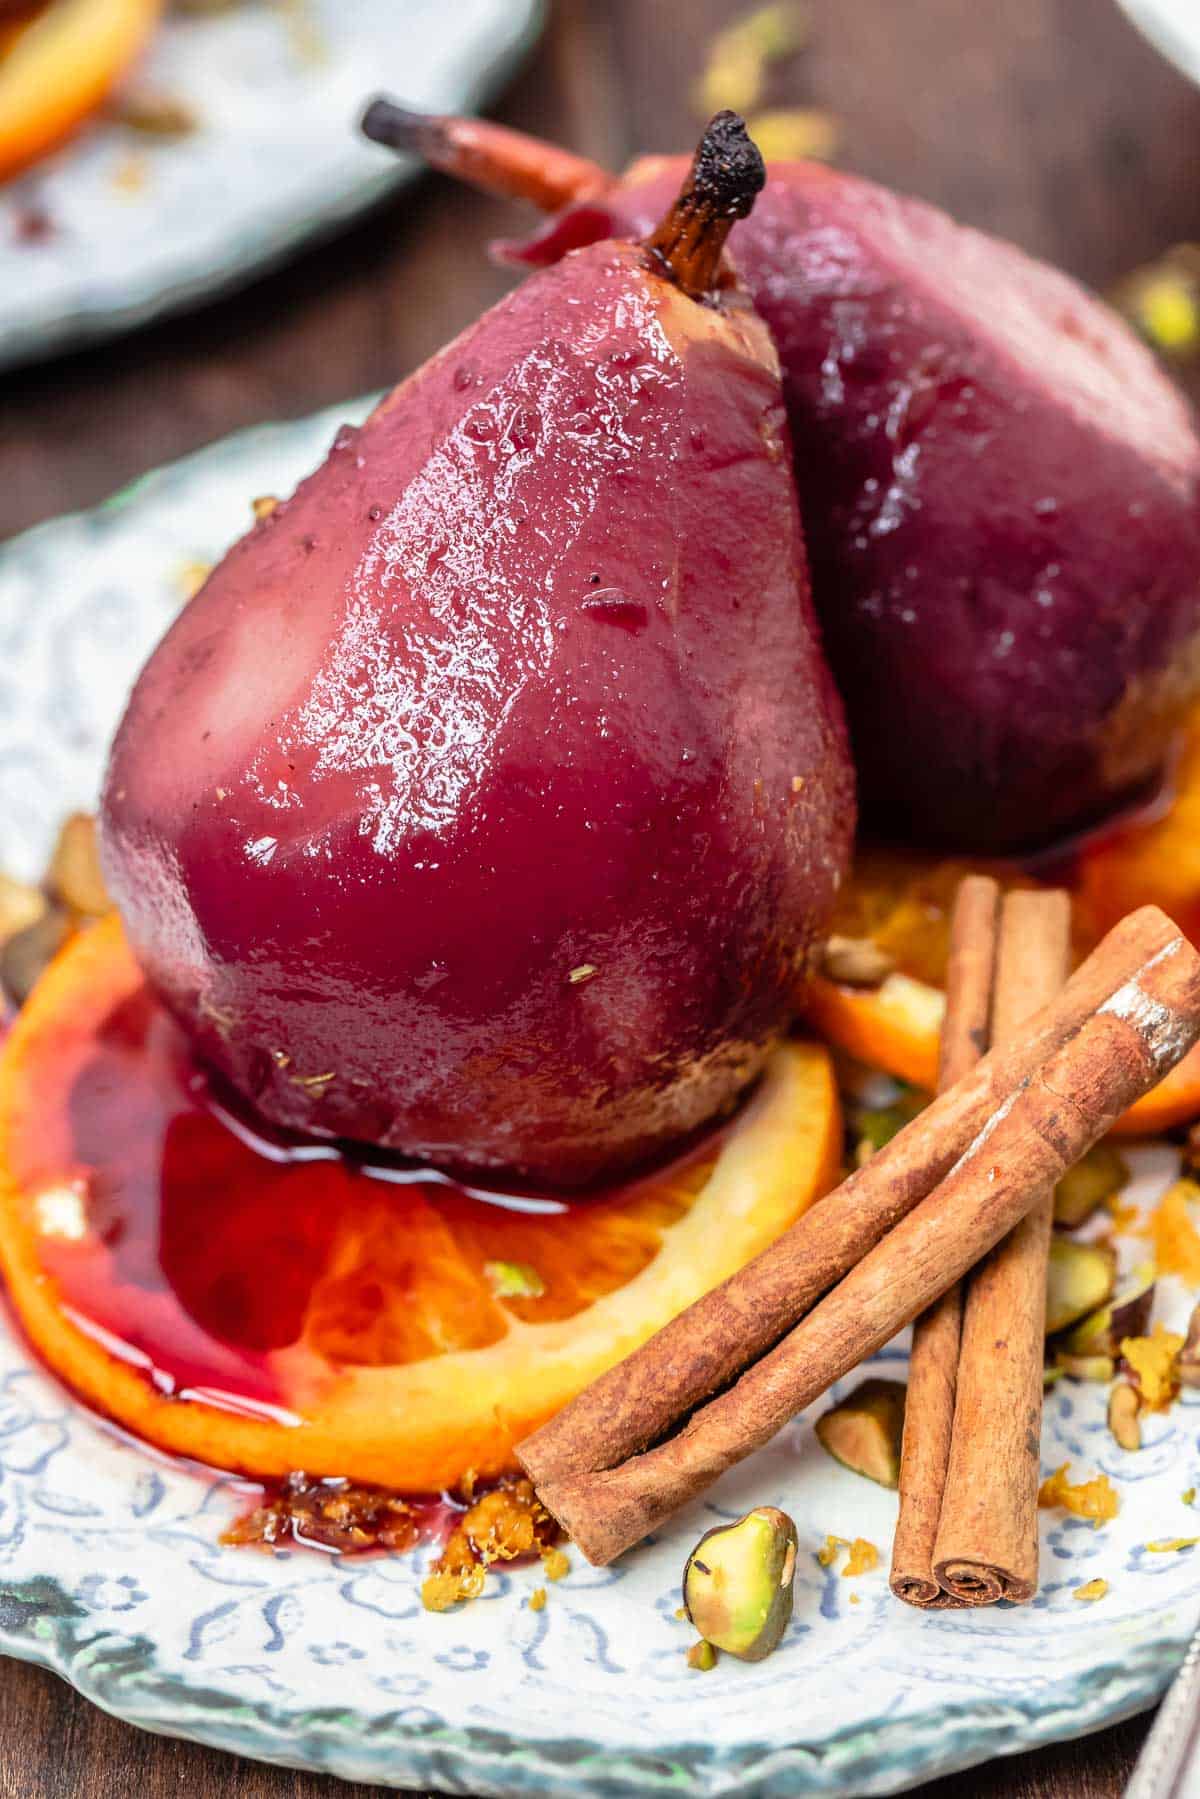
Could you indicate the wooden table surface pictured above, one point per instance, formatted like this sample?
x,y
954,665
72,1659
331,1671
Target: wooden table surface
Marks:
x,y
1049,121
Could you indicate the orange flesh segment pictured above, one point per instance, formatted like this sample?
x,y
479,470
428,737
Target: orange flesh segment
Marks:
x,y
264,1317
58,68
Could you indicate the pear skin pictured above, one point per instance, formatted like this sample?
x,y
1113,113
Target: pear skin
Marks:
x,y
489,801
1000,489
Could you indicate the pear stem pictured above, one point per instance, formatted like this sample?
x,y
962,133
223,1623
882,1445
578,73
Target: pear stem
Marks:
x,y
486,156
726,175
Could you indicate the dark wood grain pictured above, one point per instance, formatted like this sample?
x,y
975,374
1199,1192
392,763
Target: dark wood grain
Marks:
x,y
1047,120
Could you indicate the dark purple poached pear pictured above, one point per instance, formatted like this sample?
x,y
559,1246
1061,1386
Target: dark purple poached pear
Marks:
x,y
490,799
999,488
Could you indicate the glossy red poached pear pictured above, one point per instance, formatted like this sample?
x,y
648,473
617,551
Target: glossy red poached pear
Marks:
x,y
999,488
489,800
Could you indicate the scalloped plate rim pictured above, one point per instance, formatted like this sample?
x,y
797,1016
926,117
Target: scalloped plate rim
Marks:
x,y
881,1754
279,233
398,1759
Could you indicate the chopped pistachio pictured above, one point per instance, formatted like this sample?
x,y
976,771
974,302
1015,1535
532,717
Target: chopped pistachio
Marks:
x,y
1083,1189
1079,1278
702,1655
584,972
264,506
1168,1545
863,1431
1188,1495
737,1584
513,1280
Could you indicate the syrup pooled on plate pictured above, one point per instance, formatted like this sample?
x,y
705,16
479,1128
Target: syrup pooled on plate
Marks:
x,y
266,1305
196,1248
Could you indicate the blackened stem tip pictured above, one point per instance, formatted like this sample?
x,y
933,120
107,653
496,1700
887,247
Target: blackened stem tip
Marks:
x,y
725,178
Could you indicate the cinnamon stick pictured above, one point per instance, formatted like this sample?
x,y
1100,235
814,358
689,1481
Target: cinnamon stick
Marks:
x,y
709,1344
1140,1029
933,1363
987,1539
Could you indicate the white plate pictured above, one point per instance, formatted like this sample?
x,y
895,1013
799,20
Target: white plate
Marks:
x,y
1174,26
110,1569
141,226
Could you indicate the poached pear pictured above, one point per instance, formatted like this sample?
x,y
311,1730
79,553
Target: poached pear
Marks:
x,y
490,799
1000,489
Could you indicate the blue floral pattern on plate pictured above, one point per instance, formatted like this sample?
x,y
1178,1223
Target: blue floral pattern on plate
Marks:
x,y
110,1567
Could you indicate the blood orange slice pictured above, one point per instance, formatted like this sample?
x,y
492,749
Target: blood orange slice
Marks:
x,y
901,901
267,1315
57,67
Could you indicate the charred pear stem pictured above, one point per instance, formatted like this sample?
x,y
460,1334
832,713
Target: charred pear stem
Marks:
x,y
486,156
726,175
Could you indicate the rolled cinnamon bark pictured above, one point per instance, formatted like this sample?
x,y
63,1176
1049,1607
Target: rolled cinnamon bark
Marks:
x,y
987,1538
1138,1031
709,1344
933,1364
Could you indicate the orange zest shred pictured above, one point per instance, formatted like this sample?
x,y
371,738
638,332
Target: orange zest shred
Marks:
x,y
862,1558
537,1600
506,1523
1094,1499
554,1563
1155,1363
1175,1238
1166,1545
1092,1589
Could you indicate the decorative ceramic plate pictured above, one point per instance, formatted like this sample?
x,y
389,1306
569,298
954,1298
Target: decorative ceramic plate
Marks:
x,y
136,226
1174,26
110,1567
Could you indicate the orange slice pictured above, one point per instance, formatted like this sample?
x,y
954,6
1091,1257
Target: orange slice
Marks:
x,y
268,1315
57,68
902,901
1153,857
